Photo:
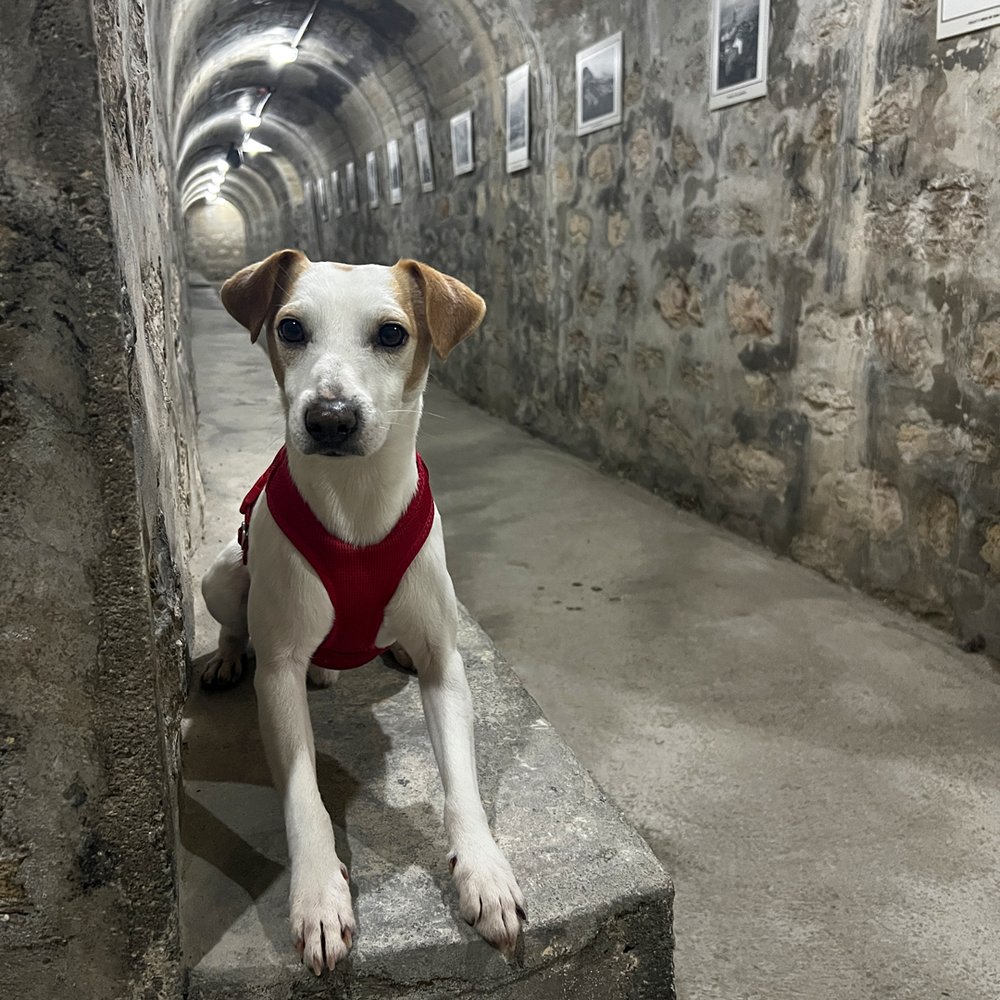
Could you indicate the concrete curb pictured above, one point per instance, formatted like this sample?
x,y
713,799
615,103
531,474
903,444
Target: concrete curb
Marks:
x,y
599,901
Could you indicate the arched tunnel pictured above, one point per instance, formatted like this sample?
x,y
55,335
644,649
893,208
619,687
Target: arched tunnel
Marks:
x,y
717,475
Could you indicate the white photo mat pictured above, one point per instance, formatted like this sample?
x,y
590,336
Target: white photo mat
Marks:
x,y
518,118
352,187
395,171
740,34
336,195
425,164
371,174
461,143
322,203
599,85
958,17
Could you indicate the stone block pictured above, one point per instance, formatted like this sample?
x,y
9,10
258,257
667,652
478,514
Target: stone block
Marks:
x,y
600,905
601,164
579,226
749,313
618,229
679,302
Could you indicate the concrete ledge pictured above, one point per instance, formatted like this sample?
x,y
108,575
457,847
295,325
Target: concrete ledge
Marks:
x,y
600,903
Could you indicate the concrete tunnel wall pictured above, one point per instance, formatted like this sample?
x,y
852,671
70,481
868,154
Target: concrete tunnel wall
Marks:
x,y
100,498
782,315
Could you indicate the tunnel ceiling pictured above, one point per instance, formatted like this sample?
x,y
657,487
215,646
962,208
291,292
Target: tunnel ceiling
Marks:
x,y
331,101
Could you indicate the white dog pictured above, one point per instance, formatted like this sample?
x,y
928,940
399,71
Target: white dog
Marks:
x,y
350,348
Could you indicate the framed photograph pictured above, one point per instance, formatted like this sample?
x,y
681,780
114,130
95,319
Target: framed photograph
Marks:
x,y
351,180
740,31
461,143
371,172
425,165
395,172
518,118
599,85
335,194
322,202
958,17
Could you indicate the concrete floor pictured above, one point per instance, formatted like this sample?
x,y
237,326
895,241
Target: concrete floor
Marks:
x,y
820,774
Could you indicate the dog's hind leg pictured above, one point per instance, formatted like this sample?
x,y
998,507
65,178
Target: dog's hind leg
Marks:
x,y
225,588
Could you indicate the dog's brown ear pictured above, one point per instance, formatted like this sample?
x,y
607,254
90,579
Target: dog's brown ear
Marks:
x,y
451,310
252,296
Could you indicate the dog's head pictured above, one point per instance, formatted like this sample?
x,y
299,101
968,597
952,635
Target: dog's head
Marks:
x,y
349,345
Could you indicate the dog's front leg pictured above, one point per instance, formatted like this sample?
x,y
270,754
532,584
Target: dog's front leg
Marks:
x,y
489,897
322,918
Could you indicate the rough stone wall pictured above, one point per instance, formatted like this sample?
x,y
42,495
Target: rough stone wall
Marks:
x,y
96,423
783,315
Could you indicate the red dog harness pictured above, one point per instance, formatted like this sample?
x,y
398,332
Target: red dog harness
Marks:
x,y
360,582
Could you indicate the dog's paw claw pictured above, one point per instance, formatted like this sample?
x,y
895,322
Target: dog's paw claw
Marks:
x,y
322,920
489,898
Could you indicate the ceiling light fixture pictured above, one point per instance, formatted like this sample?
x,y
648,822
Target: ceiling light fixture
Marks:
x,y
251,146
283,54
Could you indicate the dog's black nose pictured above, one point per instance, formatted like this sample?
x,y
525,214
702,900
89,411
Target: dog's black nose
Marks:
x,y
331,423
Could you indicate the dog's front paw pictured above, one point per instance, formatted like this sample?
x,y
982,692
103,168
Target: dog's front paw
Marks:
x,y
322,918
489,897
223,670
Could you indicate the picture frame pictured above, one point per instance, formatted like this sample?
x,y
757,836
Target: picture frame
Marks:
x,y
462,143
395,172
322,201
352,187
518,118
336,195
741,30
425,162
309,199
371,174
599,85
960,17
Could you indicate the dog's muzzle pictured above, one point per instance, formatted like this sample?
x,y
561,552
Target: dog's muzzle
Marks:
x,y
333,425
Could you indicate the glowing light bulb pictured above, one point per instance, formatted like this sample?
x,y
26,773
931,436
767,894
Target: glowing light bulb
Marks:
x,y
212,197
282,55
248,121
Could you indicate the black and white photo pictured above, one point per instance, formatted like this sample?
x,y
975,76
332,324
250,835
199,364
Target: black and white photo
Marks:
x,y
518,118
371,174
335,194
395,172
599,85
958,17
461,143
425,166
351,180
739,51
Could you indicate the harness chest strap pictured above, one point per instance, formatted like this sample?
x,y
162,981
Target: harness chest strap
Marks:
x,y
360,581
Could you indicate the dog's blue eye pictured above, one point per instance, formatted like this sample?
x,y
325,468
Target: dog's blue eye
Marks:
x,y
391,335
291,331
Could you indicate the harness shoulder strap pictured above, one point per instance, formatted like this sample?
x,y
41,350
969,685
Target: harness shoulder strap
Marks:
x,y
246,508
